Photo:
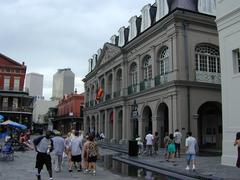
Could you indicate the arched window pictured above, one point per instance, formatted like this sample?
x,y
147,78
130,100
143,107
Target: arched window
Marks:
x,y
164,61
133,73
110,81
207,58
147,67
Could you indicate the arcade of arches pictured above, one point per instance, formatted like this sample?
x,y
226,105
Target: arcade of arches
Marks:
x,y
160,118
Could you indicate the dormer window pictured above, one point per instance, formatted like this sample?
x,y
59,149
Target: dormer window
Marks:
x,y
162,9
121,41
99,51
132,28
94,60
146,18
207,7
113,39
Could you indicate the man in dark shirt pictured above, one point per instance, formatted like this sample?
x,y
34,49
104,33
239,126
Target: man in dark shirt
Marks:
x,y
43,146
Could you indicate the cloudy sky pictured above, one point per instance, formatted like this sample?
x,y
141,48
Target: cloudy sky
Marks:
x,y
52,34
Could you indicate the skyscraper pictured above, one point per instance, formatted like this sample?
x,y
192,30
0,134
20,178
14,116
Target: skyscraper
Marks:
x,y
34,84
63,83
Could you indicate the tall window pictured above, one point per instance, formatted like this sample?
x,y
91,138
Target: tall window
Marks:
x,y
5,102
133,73
207,58
6,82
164,61
15,103
110,84
236,61
16,85
147,67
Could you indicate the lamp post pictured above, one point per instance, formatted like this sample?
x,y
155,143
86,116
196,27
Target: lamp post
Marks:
x,y
135,118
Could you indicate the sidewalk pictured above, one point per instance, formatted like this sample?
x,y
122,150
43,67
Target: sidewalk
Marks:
x,y
206,167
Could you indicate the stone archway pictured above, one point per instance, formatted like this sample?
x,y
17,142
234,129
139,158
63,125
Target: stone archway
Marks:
x,y
162,121
210,126
147,120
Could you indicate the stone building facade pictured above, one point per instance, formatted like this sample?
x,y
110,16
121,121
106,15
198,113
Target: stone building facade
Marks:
x,y
160,73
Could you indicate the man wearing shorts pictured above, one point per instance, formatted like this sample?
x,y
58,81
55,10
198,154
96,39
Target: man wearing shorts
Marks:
x,y
43,146
191,149
76,151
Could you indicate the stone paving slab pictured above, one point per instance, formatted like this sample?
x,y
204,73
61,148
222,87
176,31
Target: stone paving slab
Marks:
x,y
207,167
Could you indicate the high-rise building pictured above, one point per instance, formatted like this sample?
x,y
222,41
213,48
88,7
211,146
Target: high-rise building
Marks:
x,y
34,84
63,83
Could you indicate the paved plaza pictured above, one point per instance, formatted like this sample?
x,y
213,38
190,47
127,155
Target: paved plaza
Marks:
x,y
22,168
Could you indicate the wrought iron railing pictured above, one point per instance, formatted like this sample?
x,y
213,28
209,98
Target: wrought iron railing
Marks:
x,y
208,77
161,79
132,89
146,84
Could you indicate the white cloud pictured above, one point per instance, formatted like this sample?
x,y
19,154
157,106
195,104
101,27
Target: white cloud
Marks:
x,y
53,34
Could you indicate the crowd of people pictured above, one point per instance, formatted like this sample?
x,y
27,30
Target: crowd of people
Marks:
x,y
172,146
81,152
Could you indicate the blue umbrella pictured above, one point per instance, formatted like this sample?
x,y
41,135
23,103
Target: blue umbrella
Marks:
x,y
13,124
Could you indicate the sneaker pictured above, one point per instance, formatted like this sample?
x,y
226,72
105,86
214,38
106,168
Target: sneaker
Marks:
x,y
86,171
38,176
193,168
94,172
187,168
50,178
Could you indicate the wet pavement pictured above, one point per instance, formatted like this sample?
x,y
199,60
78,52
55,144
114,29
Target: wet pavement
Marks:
x,y
208,167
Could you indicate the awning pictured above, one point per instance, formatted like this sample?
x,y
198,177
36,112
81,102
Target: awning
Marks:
x,y
13,124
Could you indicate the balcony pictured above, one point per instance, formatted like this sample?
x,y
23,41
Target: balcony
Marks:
x,y
146,84
19,109
161,79
117,94
108,97
208,77
132,89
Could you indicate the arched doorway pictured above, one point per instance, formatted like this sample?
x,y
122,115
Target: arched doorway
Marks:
x,y
147,120
162,121
93,128
110,127
120,115
88,125
210,126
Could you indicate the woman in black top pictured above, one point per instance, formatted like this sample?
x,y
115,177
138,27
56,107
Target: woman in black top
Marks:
x,y
237,142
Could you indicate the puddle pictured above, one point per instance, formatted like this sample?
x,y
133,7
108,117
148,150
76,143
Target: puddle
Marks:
x,y
124,169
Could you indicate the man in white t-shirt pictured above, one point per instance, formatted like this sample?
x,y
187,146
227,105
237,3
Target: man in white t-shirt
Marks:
x,y
177,139
149,138
191,149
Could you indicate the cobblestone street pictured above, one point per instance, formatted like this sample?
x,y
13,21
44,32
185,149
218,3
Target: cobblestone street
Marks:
x,y
22,168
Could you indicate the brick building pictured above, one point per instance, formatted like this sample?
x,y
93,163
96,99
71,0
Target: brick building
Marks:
x,y
69,113
15,103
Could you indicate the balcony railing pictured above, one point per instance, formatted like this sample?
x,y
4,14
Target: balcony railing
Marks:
x,y
14,109
161,79
208,77
132,89
108,97
146,84
117,94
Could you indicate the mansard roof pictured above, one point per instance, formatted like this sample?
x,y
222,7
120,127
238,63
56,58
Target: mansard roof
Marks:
x,y
6,61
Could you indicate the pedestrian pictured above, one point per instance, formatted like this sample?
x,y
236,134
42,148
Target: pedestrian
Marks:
x,y
92,153
166,142
156,142
140,144
58,144
149,143
67,144
177,138
43,146
85,158
237,142
76,152
102,136
191,149
171,149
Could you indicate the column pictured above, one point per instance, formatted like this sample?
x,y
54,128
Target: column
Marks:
x,y
154,124
113,83
105,91
113,140
106,125
85,125
124,126
154,65
139,67
140,127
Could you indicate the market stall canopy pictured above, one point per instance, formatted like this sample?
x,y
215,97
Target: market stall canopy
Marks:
x,y
13,124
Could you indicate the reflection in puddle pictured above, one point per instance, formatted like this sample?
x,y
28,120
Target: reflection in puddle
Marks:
x,y
124,169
